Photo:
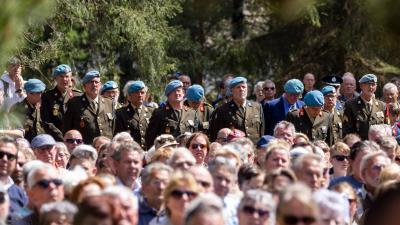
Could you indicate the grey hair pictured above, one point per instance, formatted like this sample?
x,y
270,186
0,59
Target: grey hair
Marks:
x,y
332,204
208,203
122,135
61,146
220,161
122,193
298,163
390,86
63,207
367,158
381,129
178,152
259,84
147,172
126,147
388,142
285,125
85,152
40,167
261,197
29,166
298,191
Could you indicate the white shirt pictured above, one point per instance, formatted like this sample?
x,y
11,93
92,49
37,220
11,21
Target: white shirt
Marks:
x,y
10,98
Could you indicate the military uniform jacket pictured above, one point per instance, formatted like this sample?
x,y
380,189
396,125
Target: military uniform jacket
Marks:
x,y
202,117
357,119
54,105
336,126
81,116
166,120
32,122
130,120
228,115
314,131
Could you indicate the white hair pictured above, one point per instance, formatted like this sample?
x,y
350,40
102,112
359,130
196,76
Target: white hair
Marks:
x,y
123,136
390,86
381,129
367,158
40,167
123,193
332,204
63,207
207,203
85,152
181,151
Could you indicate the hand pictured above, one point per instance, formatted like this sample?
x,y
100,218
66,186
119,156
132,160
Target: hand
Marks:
x,y
19,82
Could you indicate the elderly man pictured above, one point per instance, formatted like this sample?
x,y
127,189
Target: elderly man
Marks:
x,y
308,169
128,163
29,110
277,109
309,82
269,91
195,99
335,115
72,138
182,159
173,118
84,156
348,88
54,101
392,106
134,117
311,119
239,113
43,147
286,131
256,207
44,186
154,181
90,114
362,112
203,178
110,89
123,197
12,83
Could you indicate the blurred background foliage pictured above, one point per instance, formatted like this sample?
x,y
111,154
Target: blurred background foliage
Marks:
x,y
149,39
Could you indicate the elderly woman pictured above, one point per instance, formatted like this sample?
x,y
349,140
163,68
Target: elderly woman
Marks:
x,y
181,189
256,207
391,94
63,155
333,207
199,145
259,92
296,206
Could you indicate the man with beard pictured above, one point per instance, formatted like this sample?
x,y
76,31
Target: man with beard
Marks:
x,y
90,114
239,113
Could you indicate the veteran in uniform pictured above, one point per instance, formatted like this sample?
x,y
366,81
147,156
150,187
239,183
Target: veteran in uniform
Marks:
x,y
203,110
239,113
110,89
90,114
29,112
135,117
334,81
365,110
54,101
311,120
335,115
172,118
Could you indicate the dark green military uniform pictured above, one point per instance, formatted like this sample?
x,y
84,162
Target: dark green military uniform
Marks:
x,y
135,121
32,123
166,120
82,116
250,120
54,104
202,117
357,118
315,130
335,126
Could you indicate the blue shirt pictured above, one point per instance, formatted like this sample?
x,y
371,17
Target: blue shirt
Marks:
x,y
351,180
146,213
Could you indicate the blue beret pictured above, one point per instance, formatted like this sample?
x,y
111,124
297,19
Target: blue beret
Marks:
x,y
328,90
237,80
90,75
34,86
314,98
136,86
171,86
42,140
61,69
109,85
294,86
195,93
264,140
368,78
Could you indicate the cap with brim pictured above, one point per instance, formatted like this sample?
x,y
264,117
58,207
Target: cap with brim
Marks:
x,y
332,80
293,86
136,86
42,140
34,86
90,75
264,140
61,69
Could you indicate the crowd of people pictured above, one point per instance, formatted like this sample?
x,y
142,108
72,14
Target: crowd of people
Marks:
x,y
308,156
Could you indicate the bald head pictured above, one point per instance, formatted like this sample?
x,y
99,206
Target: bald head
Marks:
x,y
72,138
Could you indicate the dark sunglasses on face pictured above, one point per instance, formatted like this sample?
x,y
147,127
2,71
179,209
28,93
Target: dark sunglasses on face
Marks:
x,y
198,145
10,156
46,183
74,141
268,88
180,193
251,210
341,157
295,220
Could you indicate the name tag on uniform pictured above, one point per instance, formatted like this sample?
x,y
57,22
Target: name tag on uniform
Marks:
x,y
379,114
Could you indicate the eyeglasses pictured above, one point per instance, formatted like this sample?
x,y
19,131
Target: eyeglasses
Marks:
x,y
204,184
341,157
251,210
295,220
268,88
179,194
74,141
10,156
46,183
198,145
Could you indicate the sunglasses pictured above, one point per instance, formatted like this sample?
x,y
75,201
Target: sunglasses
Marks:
x,y
46,183
179,194
251,210
10,156
74,141
341,157
198,145
268,88
295,220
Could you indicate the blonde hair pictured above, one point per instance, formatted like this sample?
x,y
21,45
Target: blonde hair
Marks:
x,y
276,144
389,173
340,147
163,153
